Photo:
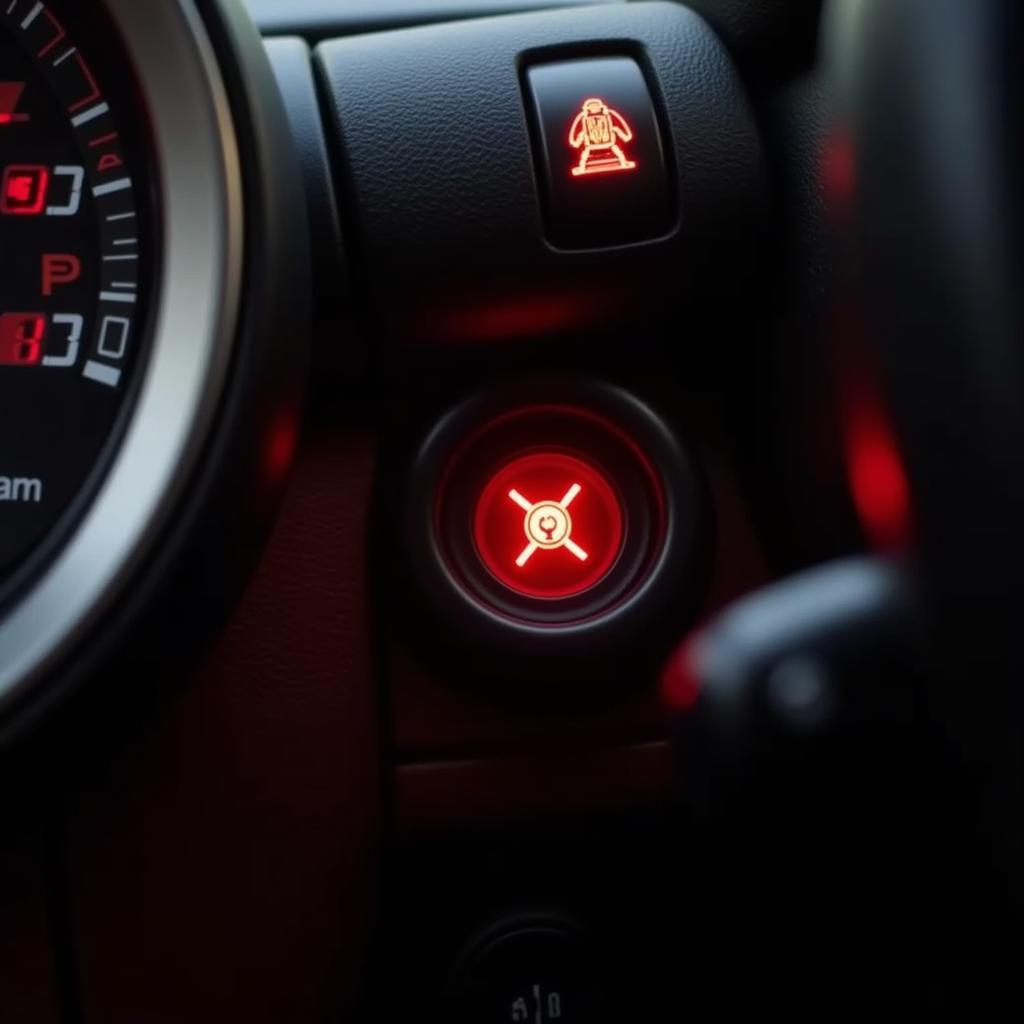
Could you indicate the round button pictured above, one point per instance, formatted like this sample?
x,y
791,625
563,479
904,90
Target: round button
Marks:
x,y
548,525
552,518
529,969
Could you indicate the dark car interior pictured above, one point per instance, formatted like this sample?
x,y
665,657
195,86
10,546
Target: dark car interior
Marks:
x,y
511,510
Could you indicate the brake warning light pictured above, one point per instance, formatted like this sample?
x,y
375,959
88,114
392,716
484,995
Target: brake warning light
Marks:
x,y
597,132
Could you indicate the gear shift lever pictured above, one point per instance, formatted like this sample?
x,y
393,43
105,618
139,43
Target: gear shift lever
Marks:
x,y
794,665
813,787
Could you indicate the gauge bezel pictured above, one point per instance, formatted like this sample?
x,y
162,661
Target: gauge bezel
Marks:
x,y
197,299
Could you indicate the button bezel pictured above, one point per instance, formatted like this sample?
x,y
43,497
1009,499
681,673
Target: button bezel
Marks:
x,y
599,211
663,562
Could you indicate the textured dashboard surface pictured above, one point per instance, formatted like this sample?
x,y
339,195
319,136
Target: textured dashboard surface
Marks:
x,y
449,208
344,17
222,868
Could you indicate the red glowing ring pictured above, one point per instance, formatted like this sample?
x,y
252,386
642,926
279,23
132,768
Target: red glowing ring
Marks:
x,y
548,525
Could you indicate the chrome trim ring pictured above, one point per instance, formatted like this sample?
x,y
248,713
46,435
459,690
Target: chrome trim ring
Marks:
x,y
197,309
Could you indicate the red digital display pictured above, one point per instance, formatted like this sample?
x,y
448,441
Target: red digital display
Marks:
x,y
23,192
548,525
21,338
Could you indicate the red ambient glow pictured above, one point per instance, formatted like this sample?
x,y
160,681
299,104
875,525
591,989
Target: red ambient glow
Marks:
x,y
548,525
680,680
875,469
280,446
597,131
878,479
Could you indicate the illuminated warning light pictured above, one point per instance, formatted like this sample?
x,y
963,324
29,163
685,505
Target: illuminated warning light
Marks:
x,y
23,191
10,94
21,338
597,132
548,525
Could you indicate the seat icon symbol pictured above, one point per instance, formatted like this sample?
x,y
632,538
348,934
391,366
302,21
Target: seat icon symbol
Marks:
x,y
597,131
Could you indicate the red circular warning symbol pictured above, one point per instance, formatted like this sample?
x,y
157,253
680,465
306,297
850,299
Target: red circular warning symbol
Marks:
x,y
548,525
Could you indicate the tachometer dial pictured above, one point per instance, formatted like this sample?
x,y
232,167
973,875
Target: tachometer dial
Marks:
x,y
154,271
75,262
